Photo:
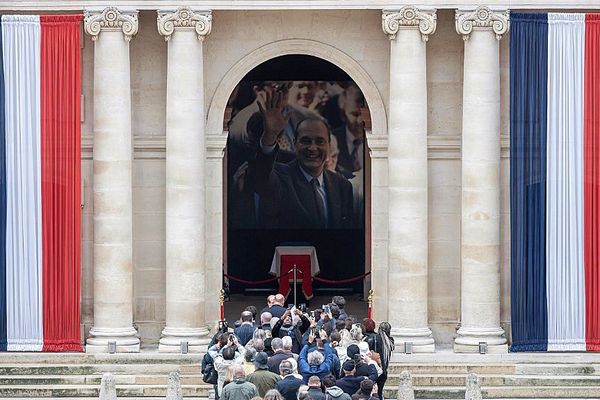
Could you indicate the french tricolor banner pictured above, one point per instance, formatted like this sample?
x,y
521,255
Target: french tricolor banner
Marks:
x,y
40,174
555,181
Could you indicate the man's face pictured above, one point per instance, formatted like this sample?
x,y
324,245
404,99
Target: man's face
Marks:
x,y
302,93
353,118
312,146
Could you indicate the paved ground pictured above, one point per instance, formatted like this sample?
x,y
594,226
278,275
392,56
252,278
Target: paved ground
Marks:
x,y
238,302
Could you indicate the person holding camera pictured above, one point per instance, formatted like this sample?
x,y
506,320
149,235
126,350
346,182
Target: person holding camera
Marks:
x,y
311,361
285,327
226,355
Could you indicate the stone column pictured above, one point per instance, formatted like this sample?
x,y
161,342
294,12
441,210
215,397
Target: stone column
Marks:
x,y
184,30
408,29
481,30
111,30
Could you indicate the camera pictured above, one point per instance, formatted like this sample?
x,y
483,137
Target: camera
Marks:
x,y
223,326
290,306
302,307
326,309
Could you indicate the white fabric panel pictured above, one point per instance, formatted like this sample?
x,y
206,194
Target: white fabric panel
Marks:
x,y
564,196
21,50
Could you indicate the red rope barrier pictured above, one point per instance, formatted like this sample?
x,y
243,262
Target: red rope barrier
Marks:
x,y
349,280
316,278
233,278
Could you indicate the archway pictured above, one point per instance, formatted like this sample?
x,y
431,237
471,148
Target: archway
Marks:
x,y
216,140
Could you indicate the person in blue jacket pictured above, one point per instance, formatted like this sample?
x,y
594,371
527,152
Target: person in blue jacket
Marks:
x,y
312,362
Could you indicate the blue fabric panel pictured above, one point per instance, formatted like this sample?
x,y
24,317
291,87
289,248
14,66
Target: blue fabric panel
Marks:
x,y
2,208
528,132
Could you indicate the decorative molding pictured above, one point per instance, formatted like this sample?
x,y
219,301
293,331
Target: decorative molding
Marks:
x,y
439,147
261,5
484,18
184,18
409,17
111,19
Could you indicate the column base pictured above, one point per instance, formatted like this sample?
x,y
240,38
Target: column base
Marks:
x,y
469,338
171,338
125,338
421,339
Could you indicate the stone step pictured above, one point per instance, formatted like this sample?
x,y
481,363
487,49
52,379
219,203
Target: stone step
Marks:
x,y
503,392
453,368
39,391
70,369
12,380
87,359
558,369
499,380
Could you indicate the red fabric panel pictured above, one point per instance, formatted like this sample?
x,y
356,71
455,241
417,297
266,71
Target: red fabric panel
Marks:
x,y
302,262
592,181
61,180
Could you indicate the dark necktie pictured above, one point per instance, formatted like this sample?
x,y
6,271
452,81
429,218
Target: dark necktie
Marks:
x,y
319,200
356,155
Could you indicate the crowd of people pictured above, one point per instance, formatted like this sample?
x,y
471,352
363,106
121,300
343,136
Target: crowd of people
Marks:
x,y
289,353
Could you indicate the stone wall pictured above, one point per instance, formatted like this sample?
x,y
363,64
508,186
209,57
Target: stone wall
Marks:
x,y
236,34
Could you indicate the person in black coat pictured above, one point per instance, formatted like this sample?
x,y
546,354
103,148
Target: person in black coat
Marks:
x,y
289,385
284,327
245,331
350,383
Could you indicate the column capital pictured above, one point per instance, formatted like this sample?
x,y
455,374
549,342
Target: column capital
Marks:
x,y
481,18
113,19
184,18
409,17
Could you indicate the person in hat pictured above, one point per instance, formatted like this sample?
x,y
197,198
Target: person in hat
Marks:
x,y
262,378
362,368
370,357
350,383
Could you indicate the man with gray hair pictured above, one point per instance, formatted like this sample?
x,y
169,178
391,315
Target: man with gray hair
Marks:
x,y
289,385
312,362
239,388
265,321
282,349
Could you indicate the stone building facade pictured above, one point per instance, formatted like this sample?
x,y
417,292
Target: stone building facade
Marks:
x,y
156,79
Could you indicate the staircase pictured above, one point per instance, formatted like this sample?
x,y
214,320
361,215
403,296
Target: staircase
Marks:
x,y
435,376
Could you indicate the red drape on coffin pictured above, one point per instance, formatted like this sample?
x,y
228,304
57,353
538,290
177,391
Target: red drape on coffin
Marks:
x,y
61,180
592,181
302,262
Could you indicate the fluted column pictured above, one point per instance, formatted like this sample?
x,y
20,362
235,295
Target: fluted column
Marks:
x,y
480,234
184,30
408,29
112,29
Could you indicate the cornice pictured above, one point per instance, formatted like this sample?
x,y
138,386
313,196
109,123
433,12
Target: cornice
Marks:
x,y
184,18
409,17
439,147
78,5
481,18
111,19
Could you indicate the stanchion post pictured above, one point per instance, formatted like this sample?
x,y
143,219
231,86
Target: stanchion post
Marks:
x,y
295,278
222,303
370,301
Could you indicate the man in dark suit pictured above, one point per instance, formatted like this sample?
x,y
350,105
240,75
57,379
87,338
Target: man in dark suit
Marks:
x,y
289,385
350,135
245,331
301,193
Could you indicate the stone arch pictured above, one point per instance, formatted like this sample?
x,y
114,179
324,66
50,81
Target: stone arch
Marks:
x,y
216,111
216,139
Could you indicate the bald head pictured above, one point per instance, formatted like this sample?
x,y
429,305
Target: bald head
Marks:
x,y
237,371
270,300
279,299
